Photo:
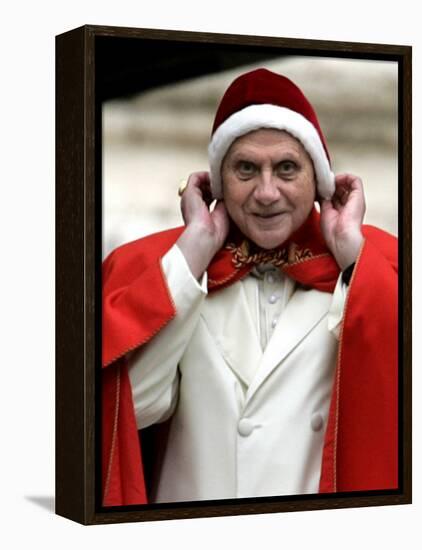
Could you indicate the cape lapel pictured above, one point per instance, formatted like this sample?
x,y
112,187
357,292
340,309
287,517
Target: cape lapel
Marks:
x,y
303,311
234,332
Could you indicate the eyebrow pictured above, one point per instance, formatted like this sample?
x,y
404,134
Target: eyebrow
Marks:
x,y
249,156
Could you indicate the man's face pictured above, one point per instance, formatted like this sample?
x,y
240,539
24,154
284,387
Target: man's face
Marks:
x,y
268,185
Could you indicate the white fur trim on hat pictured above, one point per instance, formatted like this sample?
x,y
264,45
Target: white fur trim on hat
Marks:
x,y
255,117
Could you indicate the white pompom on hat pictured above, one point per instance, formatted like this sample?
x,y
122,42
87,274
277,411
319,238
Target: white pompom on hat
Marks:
x,y
263,99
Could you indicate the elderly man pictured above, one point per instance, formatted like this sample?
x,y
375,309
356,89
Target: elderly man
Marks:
x,y
264,332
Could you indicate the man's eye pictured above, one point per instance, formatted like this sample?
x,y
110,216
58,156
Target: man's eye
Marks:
x,y
246,168
287,167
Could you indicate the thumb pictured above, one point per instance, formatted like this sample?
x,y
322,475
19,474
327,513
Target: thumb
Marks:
x,y
220,207
220,214
325,205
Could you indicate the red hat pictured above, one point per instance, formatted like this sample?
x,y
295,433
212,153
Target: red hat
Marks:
x,y
263,99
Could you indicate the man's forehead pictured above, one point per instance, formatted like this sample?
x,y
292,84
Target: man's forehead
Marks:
x,y
266,138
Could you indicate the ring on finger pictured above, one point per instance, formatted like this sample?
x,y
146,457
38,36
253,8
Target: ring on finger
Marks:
x,y
182,187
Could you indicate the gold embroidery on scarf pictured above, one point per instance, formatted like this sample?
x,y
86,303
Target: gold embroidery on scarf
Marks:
x,y
243,255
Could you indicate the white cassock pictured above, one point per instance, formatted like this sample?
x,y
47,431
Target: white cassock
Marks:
x,y
246,374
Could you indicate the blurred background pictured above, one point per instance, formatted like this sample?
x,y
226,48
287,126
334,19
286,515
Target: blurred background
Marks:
x,y
154,139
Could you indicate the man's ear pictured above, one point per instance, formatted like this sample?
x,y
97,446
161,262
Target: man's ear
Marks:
x,y
222,184
317,197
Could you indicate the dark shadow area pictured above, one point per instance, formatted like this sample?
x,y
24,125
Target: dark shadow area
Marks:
x,y
127,66
46,502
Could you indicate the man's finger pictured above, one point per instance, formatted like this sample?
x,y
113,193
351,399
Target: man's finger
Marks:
x,y
197,179
348,180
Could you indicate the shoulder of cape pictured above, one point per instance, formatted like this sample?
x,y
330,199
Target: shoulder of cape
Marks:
x,y
127,261
385,242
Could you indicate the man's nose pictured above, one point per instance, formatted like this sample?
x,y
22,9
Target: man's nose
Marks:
x,y
267,191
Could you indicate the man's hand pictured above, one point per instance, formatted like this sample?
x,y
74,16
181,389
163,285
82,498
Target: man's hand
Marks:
x,y
205,231
341,219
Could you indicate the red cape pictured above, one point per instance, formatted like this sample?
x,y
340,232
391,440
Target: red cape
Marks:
x,y
361,441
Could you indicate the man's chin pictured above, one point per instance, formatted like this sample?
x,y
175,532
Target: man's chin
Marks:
x,y
267,241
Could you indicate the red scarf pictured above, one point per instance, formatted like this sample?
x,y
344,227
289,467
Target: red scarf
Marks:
x,y
360,448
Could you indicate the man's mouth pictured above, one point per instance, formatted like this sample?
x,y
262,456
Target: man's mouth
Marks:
x,y
268,215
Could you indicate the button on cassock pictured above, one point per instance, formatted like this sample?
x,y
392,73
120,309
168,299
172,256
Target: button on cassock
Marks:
x,y
245,427
316,422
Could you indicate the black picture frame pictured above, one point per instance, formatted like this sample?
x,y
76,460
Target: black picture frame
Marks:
x,y
94,63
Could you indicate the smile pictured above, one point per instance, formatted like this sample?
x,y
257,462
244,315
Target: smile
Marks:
x,y
268,216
